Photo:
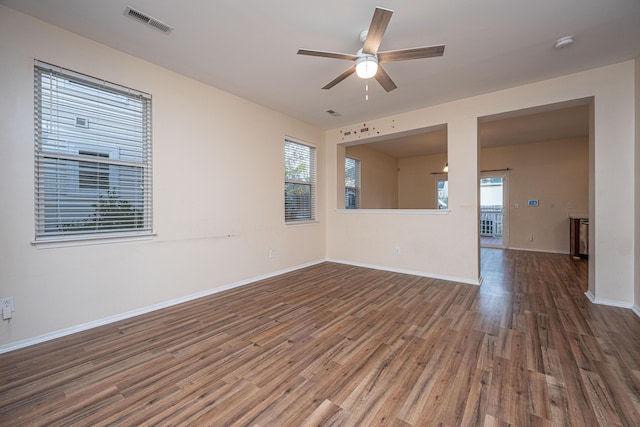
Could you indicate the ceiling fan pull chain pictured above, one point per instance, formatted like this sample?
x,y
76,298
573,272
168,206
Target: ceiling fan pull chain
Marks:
x,y
366,90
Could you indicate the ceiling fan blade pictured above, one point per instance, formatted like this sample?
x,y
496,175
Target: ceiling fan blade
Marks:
x,y
341,77
324,54
413,53
378,26
385,81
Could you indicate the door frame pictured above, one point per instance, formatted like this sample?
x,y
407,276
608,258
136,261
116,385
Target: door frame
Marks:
x,y
504,174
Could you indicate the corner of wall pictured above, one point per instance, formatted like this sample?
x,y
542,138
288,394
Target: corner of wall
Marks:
x,y
636,280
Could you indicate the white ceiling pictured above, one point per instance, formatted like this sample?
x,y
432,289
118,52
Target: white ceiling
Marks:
x,y
490,45
545,123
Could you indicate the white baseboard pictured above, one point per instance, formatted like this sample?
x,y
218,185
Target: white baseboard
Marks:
x,y
111,319
609,302
405,271
636,310
538,250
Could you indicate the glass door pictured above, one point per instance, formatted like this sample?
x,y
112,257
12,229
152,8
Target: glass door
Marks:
x,y
494,206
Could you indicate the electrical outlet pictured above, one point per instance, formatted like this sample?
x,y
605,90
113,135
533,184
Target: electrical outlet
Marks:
x,y
272,253
397,250
531,237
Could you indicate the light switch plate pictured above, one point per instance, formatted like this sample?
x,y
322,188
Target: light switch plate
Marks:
x,y
7,302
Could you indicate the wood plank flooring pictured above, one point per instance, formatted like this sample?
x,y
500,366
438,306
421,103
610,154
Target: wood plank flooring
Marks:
x,y
347,346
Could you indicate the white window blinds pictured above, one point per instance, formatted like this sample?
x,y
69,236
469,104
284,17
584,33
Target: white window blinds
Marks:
x,y
92,157
299,182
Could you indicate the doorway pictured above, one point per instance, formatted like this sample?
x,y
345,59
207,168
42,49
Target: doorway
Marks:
x,y
494,209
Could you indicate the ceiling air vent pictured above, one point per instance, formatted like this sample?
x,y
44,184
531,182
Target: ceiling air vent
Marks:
x,y
333,113
148,20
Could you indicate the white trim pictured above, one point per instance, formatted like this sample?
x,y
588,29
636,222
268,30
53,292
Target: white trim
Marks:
x,y
137,312
299,141
538,250
636,310
395,211
312,183
65,242
506,215
89,79
405,271
609,302
303,222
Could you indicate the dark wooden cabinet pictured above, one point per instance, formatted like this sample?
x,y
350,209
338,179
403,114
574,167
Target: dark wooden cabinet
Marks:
x,y
579,235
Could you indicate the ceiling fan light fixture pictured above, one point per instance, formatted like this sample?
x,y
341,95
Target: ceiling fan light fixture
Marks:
x,y
366,66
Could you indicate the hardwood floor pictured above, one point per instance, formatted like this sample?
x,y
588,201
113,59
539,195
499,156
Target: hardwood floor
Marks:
x,y
341,345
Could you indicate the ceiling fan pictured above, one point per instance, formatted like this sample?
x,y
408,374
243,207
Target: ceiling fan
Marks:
x,y
368,59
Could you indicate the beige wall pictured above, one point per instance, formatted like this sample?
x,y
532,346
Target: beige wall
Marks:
x,y
417,181
396,183
201,140
213,176
554,172
637,188
446,245
378,178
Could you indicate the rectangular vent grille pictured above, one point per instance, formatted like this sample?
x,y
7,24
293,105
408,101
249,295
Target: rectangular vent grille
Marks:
x,y
333,113
148,20
82,122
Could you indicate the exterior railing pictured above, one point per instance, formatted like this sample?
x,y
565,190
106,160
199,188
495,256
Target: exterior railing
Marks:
x,y
491,221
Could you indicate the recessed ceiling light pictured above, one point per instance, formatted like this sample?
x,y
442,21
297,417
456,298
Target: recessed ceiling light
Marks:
x,y
563,42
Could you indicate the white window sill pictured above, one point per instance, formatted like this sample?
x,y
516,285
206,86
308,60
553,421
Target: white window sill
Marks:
x,y
90,240
299,223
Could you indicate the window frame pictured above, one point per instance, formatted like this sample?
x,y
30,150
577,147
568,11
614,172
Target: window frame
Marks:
x,y
356,187
444,178
129,178
310,182
112,153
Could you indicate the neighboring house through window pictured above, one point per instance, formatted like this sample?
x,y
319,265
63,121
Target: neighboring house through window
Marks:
x,y
352,183
442,191
299,182
93,157
93,175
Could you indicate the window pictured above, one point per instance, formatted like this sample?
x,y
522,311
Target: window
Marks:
x,y
299,182
397,171
92,157
352,183
442,191
93,175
